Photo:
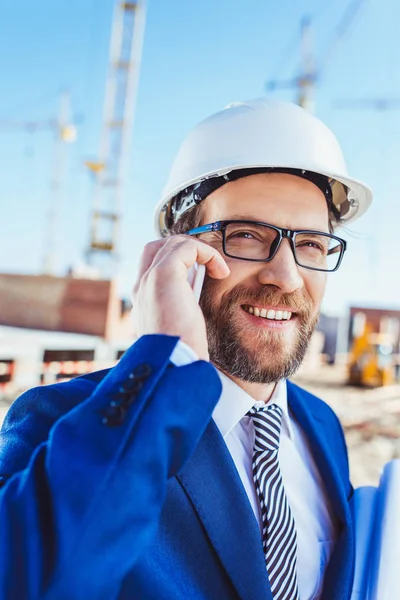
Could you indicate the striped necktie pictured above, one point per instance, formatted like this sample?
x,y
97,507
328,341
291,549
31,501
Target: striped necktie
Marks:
x,y
278,527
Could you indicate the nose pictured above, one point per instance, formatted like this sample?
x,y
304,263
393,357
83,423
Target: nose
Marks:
x,y
282,271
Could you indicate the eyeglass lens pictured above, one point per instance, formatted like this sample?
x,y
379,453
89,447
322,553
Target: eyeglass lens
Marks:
x,y
259,242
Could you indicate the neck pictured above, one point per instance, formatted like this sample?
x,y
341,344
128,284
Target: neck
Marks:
x,y
258,391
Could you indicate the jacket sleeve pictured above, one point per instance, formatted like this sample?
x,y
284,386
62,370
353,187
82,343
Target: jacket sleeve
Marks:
x,y
75,520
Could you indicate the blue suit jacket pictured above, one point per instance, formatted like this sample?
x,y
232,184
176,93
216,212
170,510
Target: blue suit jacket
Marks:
x,y
119,485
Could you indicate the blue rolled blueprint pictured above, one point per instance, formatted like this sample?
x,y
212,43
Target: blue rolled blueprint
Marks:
x,y
377,533
364,501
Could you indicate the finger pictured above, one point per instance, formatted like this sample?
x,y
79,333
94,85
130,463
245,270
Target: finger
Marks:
x,y
151,250
183,251
146,260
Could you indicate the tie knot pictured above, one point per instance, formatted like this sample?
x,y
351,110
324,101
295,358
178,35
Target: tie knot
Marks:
x,y
267,424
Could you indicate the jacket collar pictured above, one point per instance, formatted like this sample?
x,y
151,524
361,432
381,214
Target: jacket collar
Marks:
x,y
234,403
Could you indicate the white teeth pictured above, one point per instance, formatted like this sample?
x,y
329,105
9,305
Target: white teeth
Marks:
x,y
274,315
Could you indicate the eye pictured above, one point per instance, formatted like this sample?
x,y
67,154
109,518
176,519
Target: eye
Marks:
x,y
242,234
313,245
245,234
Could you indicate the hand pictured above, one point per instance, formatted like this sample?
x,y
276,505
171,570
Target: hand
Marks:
x,y
163,300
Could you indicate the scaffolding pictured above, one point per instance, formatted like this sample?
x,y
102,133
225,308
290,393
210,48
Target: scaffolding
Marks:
x,y
109,171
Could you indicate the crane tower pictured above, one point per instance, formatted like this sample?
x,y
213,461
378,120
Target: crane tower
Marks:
x,y
311,71
109,171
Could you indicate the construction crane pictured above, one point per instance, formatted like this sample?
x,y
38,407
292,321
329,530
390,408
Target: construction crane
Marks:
x,y
28,126
64,128
64,133
379,104
305,81
109,170
311,71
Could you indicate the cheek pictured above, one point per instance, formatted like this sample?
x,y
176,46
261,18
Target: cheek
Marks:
x,y
315,284
239,275
217,288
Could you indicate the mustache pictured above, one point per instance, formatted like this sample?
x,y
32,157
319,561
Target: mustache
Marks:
x,y
268,295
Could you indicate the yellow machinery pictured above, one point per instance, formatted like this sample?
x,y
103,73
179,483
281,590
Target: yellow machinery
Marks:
x,y
371,360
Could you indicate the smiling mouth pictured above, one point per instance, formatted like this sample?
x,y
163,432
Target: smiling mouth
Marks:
x,y
268,313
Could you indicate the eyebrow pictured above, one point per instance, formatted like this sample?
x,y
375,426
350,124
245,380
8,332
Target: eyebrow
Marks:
x,y
238,217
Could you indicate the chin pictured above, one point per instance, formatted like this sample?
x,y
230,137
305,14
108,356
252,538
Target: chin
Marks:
x,y
269,342
267,358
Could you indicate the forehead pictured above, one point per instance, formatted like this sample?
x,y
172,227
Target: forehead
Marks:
x,y
277,198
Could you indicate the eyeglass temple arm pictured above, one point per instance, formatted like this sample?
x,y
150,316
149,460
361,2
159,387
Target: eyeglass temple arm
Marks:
x,y
204,228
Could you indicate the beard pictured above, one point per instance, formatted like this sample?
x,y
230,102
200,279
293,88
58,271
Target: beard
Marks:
x,y
261,356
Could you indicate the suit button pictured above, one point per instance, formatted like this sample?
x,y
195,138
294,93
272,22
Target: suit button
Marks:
x,y
115,417
127,394
131,387
141,372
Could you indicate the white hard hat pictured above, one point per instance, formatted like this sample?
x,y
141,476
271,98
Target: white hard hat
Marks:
x,y
261,134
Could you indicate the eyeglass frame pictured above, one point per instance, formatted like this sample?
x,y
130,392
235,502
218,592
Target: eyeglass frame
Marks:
x,y
290,234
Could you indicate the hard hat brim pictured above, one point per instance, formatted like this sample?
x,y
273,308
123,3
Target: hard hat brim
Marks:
x,y
359,195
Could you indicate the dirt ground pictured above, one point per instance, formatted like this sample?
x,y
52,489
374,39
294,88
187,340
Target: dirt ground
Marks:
x,y
370,417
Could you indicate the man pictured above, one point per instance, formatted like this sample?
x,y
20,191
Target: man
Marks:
x,y
120,484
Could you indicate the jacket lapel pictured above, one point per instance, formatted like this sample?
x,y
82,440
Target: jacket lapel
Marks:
x,y
311,419
323,440
211,481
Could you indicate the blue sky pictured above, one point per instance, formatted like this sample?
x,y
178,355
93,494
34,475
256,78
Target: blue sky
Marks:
x,y
198,56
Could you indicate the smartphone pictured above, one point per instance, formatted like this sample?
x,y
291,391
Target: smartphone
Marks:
x,y
196,275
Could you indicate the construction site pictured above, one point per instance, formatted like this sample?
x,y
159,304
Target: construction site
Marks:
x,y
57,326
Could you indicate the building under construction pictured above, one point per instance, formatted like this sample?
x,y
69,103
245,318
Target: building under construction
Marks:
x,y
55,328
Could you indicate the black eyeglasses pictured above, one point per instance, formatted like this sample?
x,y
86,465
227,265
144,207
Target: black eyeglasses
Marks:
x,y
259,242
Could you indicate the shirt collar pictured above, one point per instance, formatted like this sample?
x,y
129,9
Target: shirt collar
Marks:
x,y
234,403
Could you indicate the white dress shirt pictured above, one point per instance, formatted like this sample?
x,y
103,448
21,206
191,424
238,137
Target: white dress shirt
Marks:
x,y
315,522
